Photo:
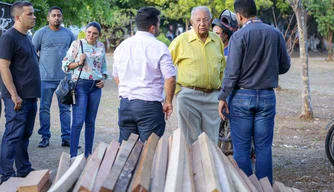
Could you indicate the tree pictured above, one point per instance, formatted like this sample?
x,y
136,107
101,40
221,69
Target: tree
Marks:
x,y
180,10
323,12
300,11
115,16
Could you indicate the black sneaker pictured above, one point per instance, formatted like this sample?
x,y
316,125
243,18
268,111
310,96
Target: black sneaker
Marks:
x,y
43,143
66,143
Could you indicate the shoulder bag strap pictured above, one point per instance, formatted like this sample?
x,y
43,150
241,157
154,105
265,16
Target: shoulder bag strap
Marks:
x,y
76,83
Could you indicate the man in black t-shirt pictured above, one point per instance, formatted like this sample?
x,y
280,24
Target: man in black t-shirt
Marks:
x,y
21,86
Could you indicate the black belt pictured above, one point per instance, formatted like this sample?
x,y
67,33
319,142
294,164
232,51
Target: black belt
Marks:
x,y
241,88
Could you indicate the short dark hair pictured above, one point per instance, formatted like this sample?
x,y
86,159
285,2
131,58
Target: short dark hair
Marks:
x,y
53,8
246,8
17,7
146,17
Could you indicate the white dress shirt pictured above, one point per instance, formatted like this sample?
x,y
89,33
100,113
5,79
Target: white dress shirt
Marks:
x,y
141,63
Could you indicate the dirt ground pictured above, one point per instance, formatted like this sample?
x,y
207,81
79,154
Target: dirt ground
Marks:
x,y
299,157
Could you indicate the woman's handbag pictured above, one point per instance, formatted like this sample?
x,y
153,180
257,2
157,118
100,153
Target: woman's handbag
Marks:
x,y
66,87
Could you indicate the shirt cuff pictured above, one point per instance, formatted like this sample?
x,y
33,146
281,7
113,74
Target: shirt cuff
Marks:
x,y
222,95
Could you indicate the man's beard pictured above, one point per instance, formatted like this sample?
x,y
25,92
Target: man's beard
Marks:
x,y
57,24
156,32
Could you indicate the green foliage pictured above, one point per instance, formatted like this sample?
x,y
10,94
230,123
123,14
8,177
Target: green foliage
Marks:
x,y
283,5
81,35
323,12
260,4
163,39
181,9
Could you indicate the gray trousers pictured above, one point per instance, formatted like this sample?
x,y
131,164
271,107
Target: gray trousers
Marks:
x,y
198,112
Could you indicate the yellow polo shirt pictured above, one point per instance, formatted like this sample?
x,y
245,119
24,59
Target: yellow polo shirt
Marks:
x,y
198,64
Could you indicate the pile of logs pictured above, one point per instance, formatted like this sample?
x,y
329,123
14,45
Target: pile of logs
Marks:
x,y
156,165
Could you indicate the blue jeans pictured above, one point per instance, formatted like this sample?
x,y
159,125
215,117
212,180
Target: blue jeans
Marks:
x,y
14,146
84,111
140,117
48,88
252,114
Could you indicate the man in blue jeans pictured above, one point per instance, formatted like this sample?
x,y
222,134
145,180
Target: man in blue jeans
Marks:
x,y
257,55
52,43
20,88
143,69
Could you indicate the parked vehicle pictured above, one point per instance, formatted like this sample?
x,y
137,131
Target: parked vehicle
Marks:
x,y
329,142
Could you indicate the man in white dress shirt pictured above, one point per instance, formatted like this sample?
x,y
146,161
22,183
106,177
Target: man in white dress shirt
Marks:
x,y
143,70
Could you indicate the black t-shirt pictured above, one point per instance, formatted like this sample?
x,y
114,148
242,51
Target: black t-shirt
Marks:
x,y
17,48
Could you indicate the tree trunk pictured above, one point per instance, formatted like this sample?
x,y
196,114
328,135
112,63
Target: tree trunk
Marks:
x,y
307,112
329,46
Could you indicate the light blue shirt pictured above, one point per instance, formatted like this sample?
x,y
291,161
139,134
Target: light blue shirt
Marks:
x,y
52,47
226,51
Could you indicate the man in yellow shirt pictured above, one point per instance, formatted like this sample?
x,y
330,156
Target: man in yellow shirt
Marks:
x,y
198,55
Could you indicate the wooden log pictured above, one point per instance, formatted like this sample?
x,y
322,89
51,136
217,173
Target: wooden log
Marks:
x,y
66,182
88,176
122,145
63,166
122,156
128,169
288,189
142,176
256,183
295,190
224,180
210,172
170,144
11,185
159,168
275,187
35,181
46,186
248,181
174,178
266,186
107,162
188,174
238,181
279,186
234,163
197,167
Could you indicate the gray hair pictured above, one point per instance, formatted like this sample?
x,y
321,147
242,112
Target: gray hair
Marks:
x,y
203,8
